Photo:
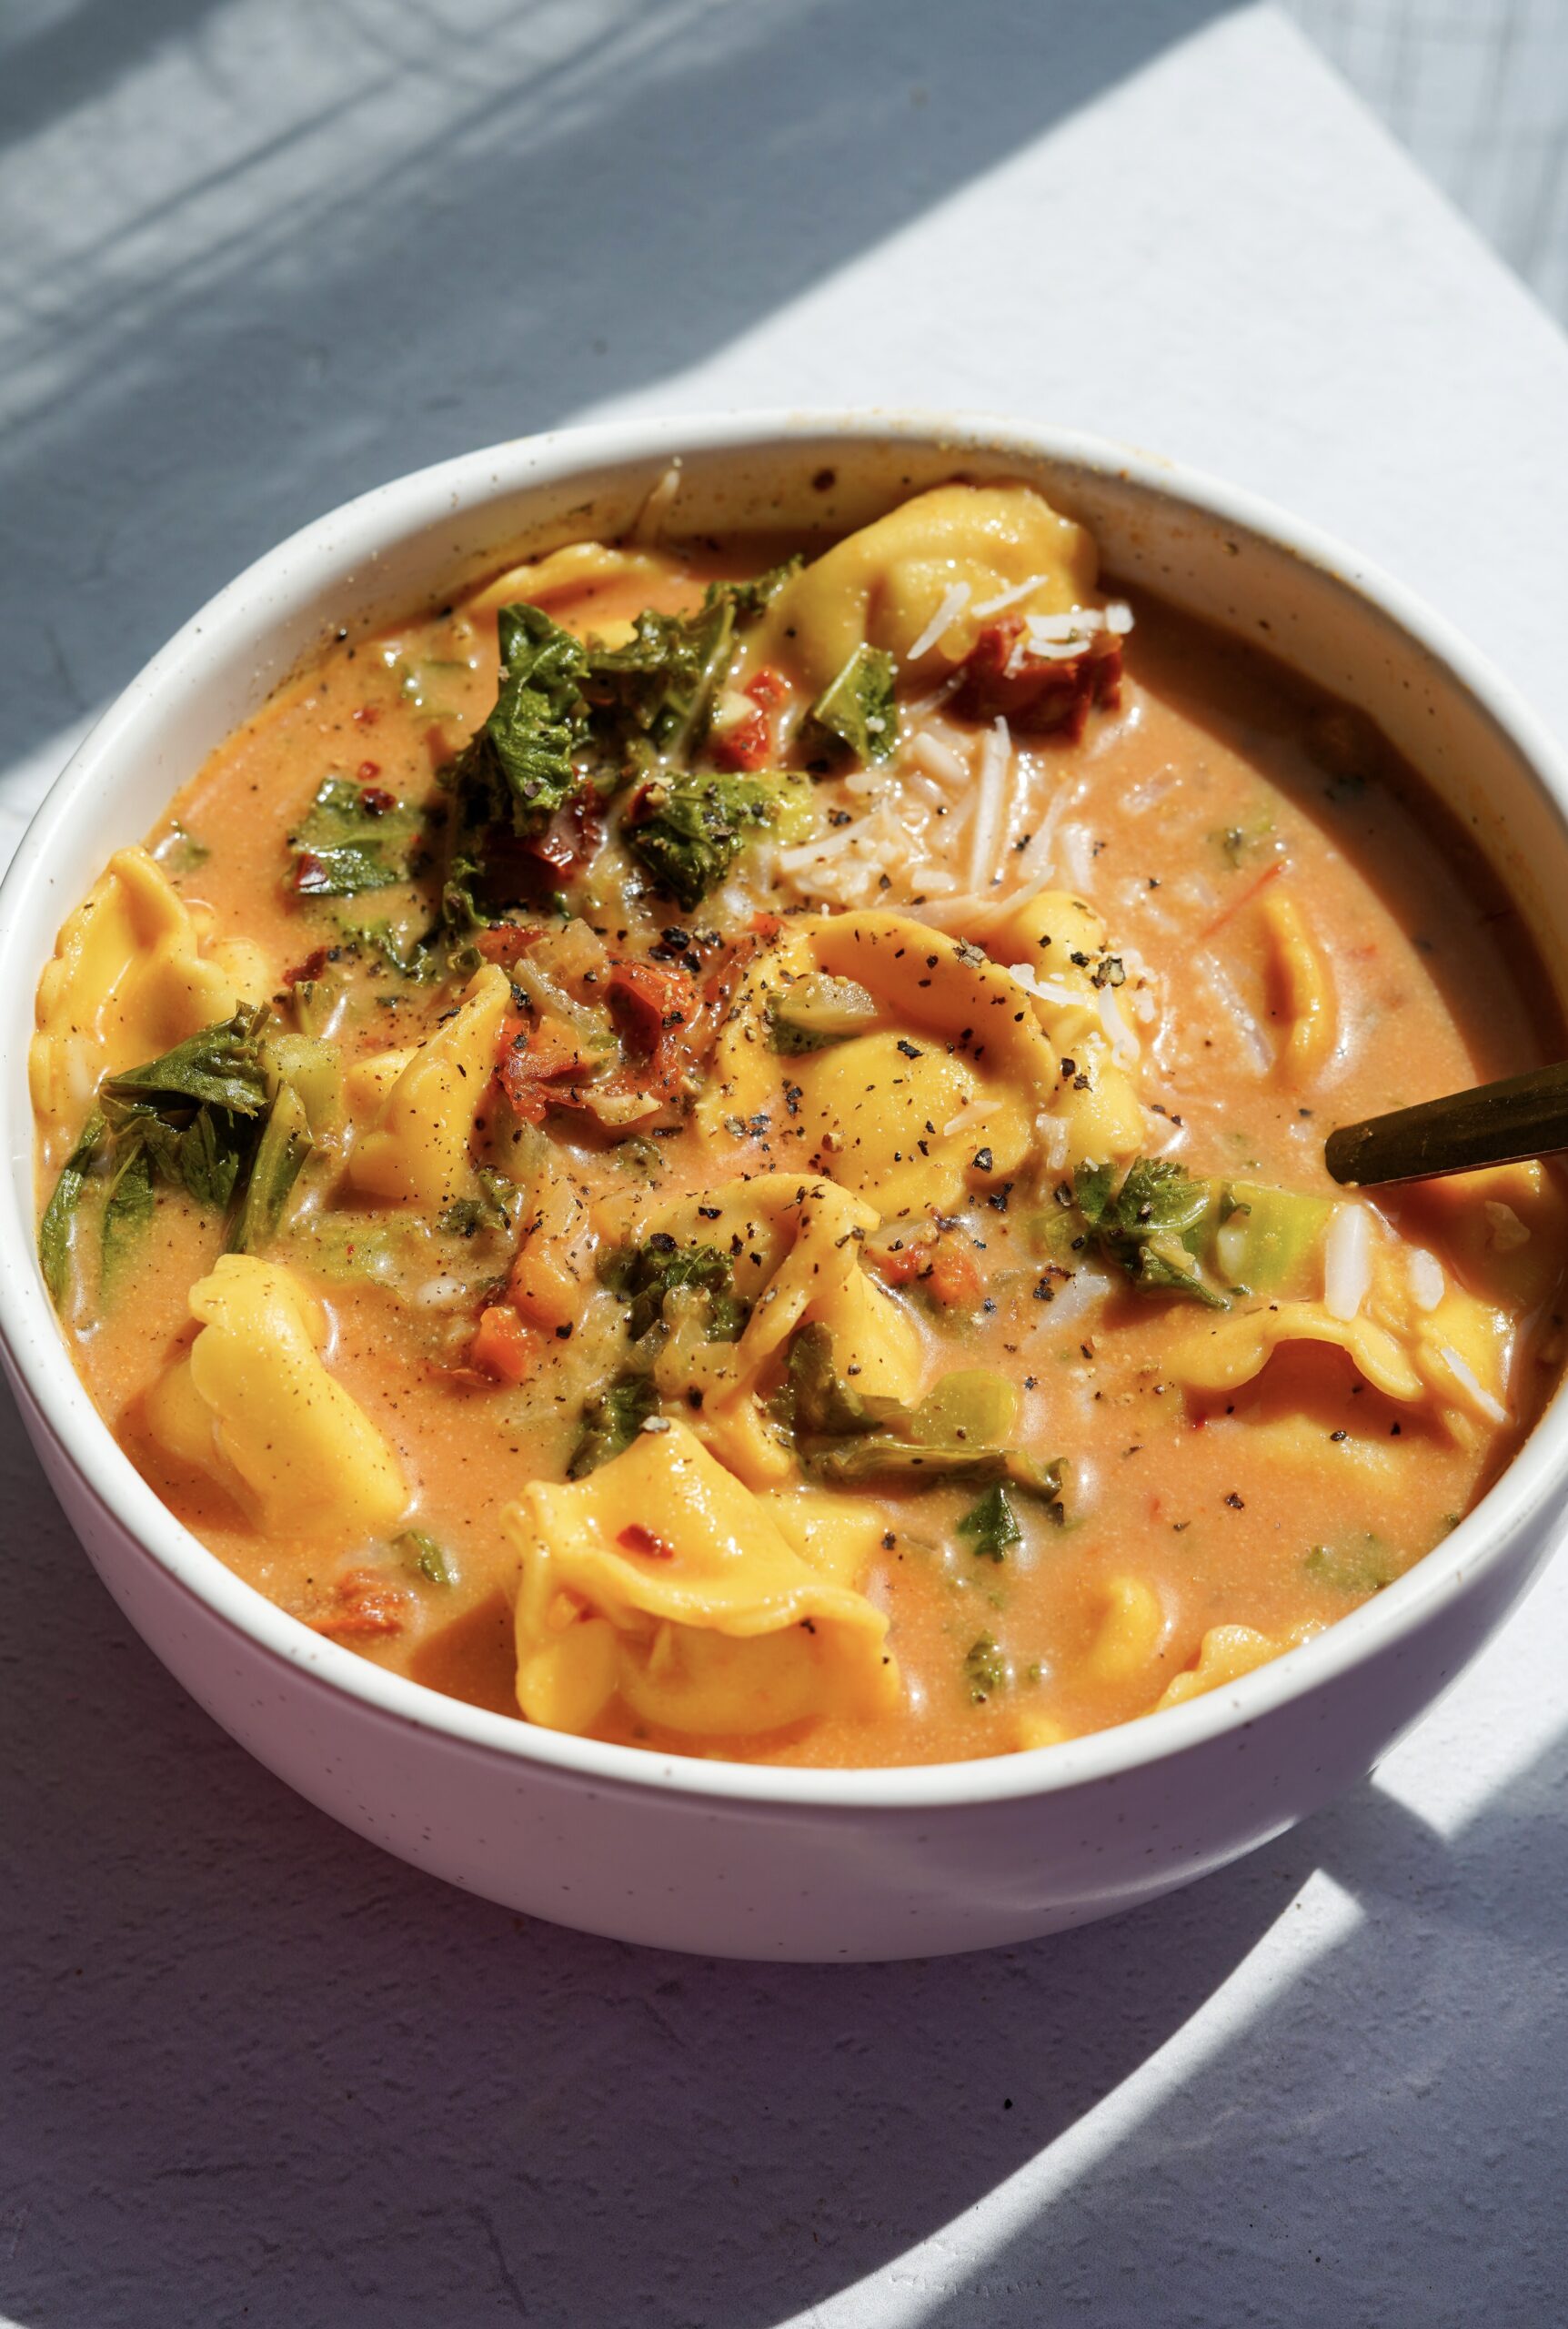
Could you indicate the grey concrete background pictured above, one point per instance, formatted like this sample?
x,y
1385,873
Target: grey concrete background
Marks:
x,y
261,253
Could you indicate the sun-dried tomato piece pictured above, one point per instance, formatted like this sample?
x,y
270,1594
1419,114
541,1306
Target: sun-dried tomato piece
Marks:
x,y
1038,695
361,1606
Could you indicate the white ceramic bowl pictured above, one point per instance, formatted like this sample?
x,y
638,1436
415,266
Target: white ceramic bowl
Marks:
x,y
725,1858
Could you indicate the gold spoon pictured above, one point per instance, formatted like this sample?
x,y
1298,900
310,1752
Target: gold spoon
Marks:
x,y
1495,1123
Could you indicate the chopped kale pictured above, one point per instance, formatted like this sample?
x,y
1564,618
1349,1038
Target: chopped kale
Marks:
x,y
643,1275
651,698
1365,1564
751,600
127,1203
54,1231
857,712
201,1119
611,1422
425,1556
182,853
818,1403
986,1670
689,829
522,765
354,837
991,1524
1140,1224
280,1154
220,1068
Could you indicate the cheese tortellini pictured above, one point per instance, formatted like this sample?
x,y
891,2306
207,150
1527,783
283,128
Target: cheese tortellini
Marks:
x,y
662,1583
416,1149
939,1094
136,970
254,1406
795,1241
882,587
1411,1331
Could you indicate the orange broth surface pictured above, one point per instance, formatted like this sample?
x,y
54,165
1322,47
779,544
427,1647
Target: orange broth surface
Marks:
x,y
1212,783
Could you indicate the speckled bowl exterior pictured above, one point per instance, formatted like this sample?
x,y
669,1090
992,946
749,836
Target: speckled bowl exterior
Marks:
x,y
720,1858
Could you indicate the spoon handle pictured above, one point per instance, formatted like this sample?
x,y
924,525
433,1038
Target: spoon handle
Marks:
x,y
1494,1124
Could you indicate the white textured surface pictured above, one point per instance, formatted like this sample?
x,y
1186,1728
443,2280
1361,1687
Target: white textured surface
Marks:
x,y
263,252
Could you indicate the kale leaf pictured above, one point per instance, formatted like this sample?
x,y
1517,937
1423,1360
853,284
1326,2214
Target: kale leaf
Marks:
x,y
611,1422
1140,1225
857,712
641,1276
54,1231
354,837
220,1066
689,829
992,1523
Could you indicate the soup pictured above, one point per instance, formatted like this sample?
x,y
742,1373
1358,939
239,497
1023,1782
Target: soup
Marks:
x,y
720,1146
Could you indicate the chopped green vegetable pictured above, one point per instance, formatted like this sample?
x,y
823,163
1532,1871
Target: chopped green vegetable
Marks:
x,y
354,837
128,1205
986,1670
858,711
611,1422
54,1231
689,829
751,600
652,697
1270,1240
992,1523
280,1154
816,1402
643,1275
221,1066
209,1156
1140,1223
425,1556
817,1011
972,1407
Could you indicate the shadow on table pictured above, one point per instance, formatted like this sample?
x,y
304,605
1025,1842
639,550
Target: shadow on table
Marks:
x,y
253,2070
335,244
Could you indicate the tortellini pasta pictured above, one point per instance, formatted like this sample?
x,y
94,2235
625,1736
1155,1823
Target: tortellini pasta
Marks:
x,y
416,1149
1305,990
136,970
660,1581
1227,1652
795,1240
942,1095
567,584
882,587
1416,1343
254,1406
1058,940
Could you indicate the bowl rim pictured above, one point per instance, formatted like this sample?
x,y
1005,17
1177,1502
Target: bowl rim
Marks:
x,y
340,543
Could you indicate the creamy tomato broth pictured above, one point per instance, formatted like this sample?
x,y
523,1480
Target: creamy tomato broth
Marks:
x,y
760,1192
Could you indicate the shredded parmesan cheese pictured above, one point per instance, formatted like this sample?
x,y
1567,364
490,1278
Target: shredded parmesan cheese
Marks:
x,y
1426,1279
1347,1262
953,604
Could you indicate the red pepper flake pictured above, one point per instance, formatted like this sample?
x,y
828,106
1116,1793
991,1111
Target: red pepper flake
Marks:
x,y
368,771
367,715
767,688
